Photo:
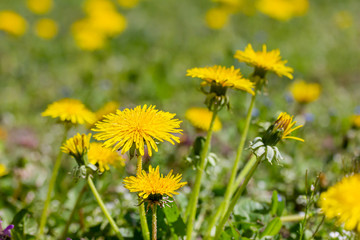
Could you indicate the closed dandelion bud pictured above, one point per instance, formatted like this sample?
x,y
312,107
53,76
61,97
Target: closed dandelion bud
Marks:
x,y
77,147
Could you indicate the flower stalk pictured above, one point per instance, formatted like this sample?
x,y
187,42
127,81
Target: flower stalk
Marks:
x,y
154,227
103,207
144,226
235,199
199,172
51,185
230,185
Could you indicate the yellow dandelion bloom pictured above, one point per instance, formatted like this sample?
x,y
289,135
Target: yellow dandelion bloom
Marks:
x,y
139,126
216,18
87,37
92,7
201,118
285,123
46,28
69,110
153,183
12,23
3,170
265,61
226,77
104,157
305,92
128,3
39,6
341,201
77,146
355,120
109,107
283,10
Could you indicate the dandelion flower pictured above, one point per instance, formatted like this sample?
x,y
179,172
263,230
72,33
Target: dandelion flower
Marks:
x,y
225,77
216,18
46,28
201,118
39,6
77,146
283,10
128,3
3,170
281,129
69,110
265,61
139,126
12,23
355,120
109,107
104,157
305,92
154,183
341,201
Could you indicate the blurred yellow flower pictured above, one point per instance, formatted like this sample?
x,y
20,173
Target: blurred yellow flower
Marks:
x,y
104,157
12,23
341,201
225,77
3,170
265,61
216,18
77,146
86,37
201,118
154,183
283,10
109,23
109,107
343,19
128,3
305,92
355,120
39,6
141,125
92,7
69,110
46,28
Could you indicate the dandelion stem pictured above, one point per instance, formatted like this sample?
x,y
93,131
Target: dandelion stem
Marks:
x,y
233,202
154,228
230,185
51,185
103,207
199,172
77,203
143,221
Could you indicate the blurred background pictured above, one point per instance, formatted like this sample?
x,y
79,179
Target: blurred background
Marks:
x,y
137,52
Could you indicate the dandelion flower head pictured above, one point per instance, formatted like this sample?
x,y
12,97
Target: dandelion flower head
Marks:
x,y
109,107
104,157
285,123
341,201
86,36
153,183
39,6
355,121
140,126
283,10
69,110
12,23
201,118
46,28
305,92
225,77
128,3
77,146
265,61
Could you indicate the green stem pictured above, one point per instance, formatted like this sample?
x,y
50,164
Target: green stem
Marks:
x,y
243,173
230,184
154,229
199,172
292,218
51,186
233,202
143,221
103,208
69,221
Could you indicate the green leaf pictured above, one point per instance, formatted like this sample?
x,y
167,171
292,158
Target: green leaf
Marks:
x,y
172,213
272,228
274,203
19,227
